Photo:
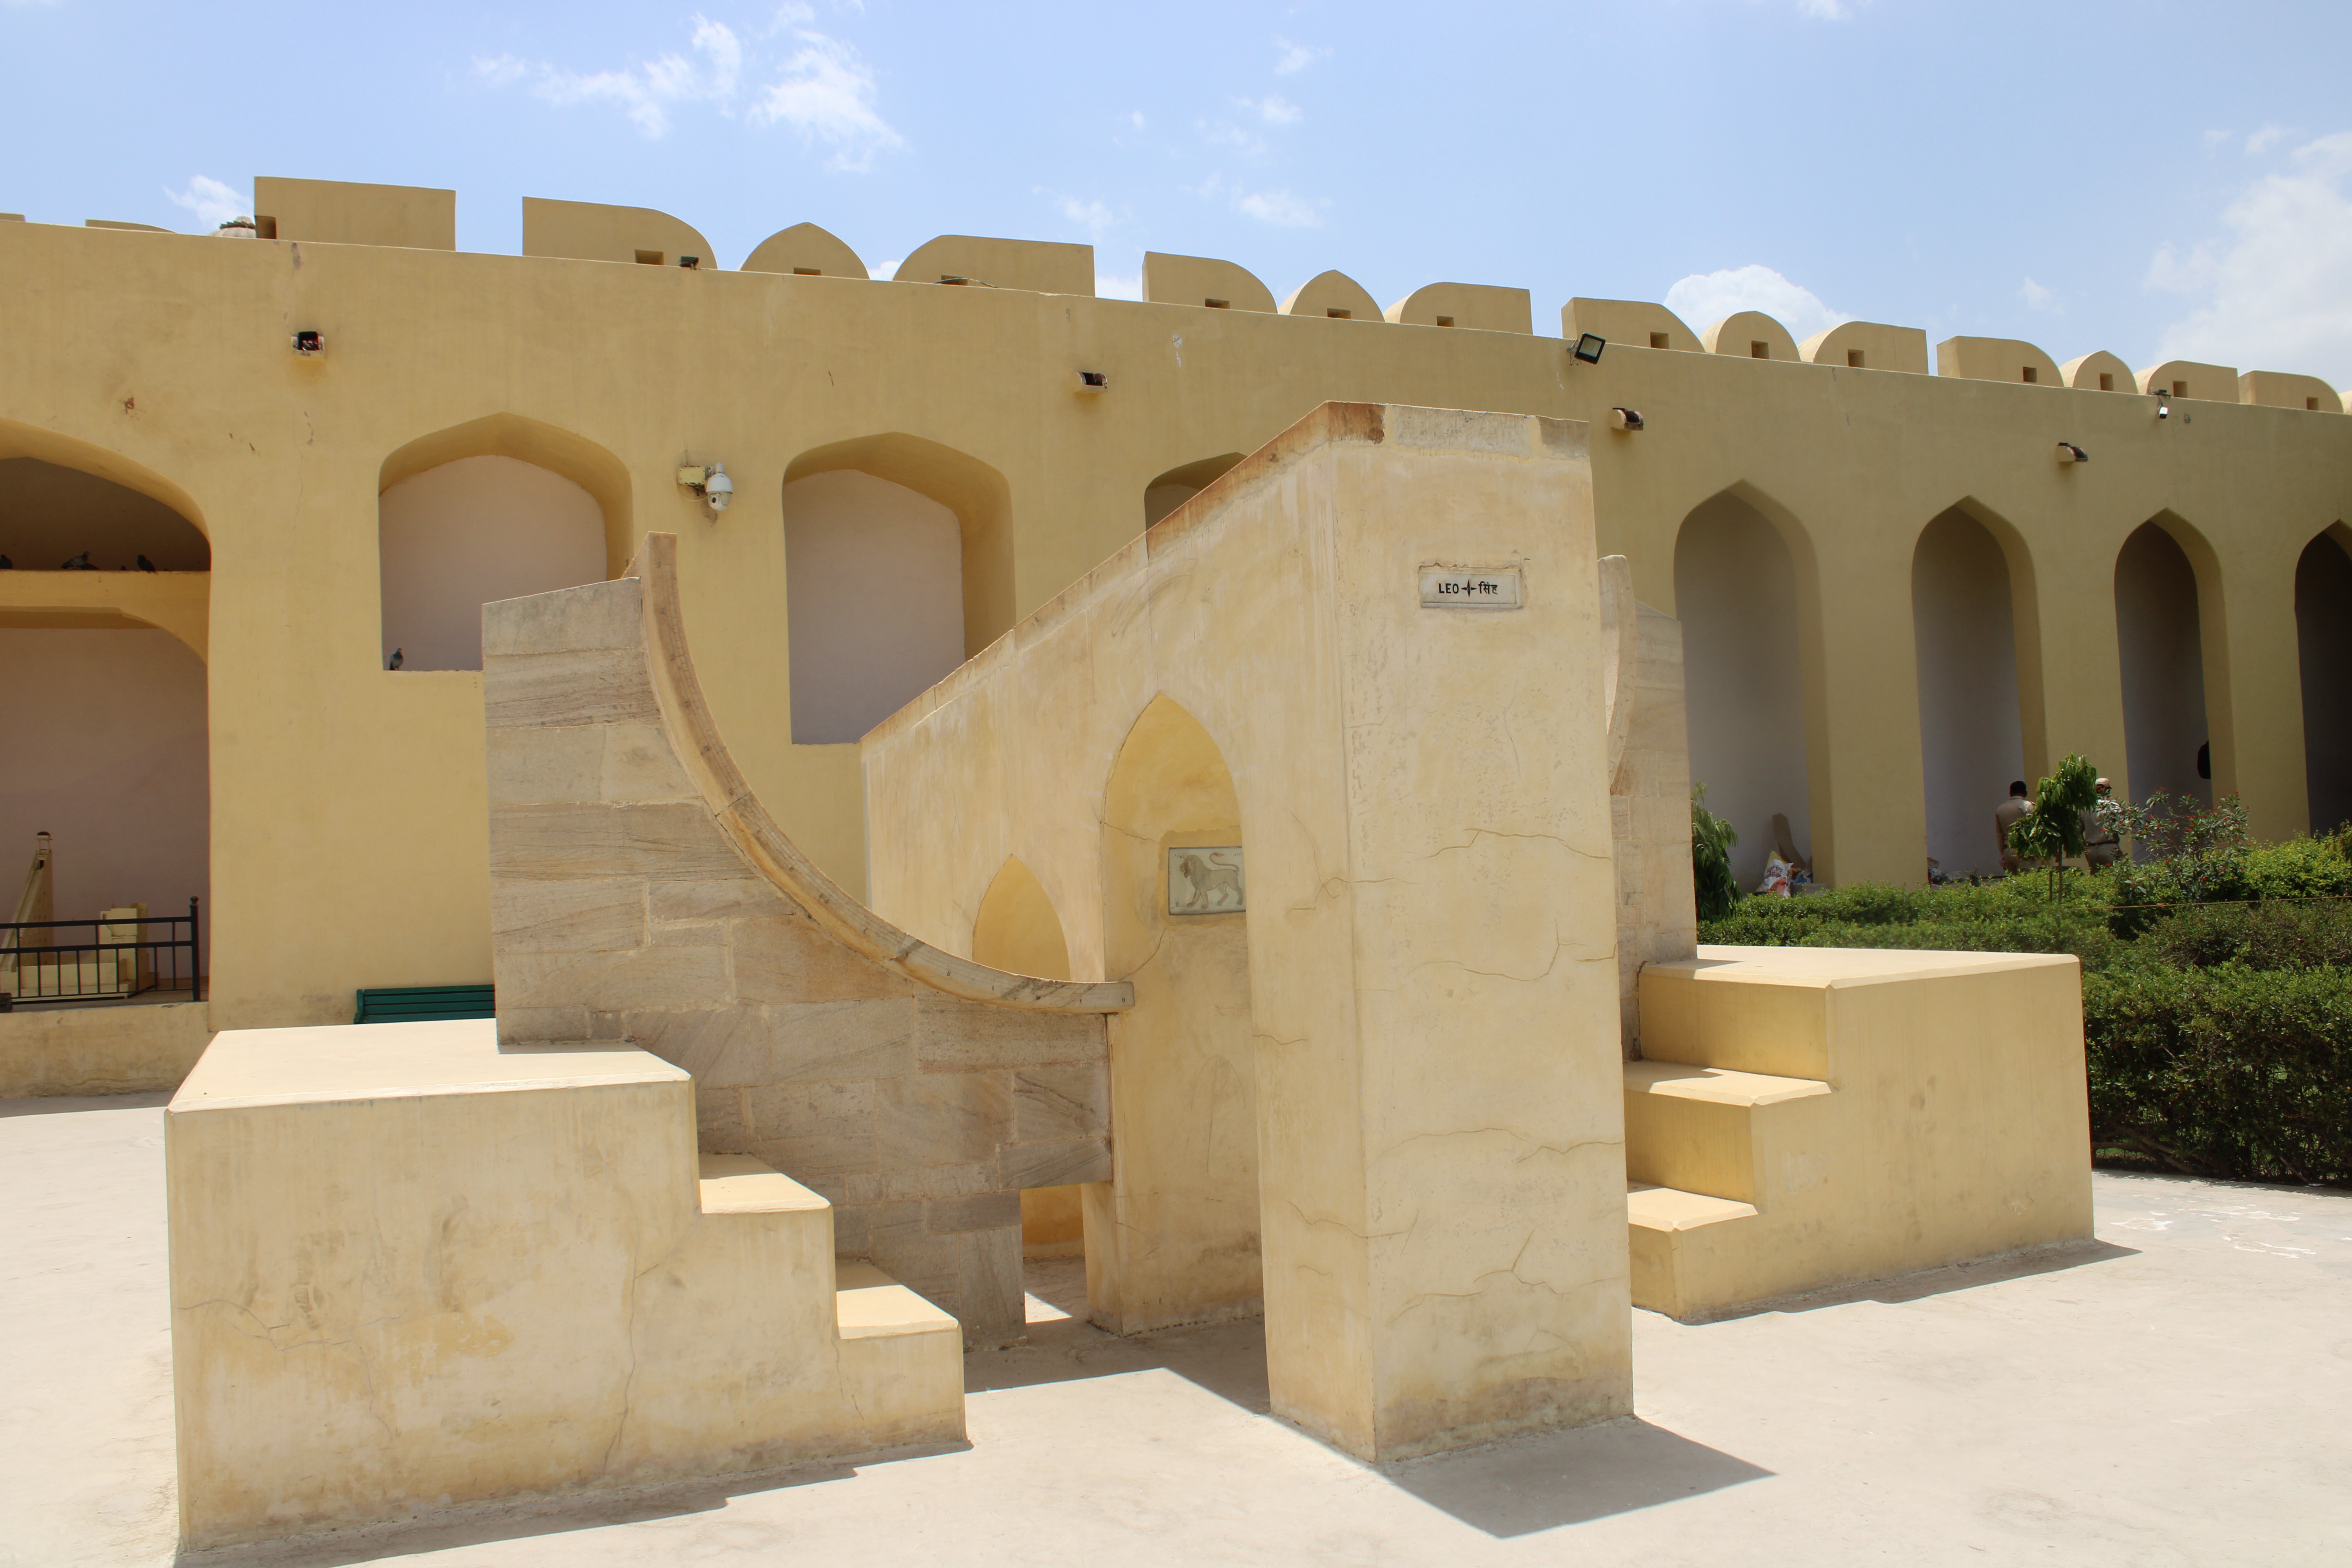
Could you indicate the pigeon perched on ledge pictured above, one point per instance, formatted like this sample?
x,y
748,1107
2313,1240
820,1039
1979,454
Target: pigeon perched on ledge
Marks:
x,y
398,658
145,564
6,565
79,563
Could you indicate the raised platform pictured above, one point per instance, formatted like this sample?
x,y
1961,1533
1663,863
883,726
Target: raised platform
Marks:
x,y
410,1268
1812,1117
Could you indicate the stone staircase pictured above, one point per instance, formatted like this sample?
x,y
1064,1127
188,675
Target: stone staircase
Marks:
x,y
1806,1118
414,1268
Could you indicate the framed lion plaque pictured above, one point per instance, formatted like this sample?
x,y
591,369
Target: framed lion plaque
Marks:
x,y
1206,879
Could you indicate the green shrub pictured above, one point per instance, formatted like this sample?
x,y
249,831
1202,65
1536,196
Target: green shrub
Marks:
x,y
1711,842
2226,1071
2258,936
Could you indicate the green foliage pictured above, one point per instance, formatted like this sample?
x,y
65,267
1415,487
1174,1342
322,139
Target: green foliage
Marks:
x,y
2219,1034
2053,829
2227,1072
1711,842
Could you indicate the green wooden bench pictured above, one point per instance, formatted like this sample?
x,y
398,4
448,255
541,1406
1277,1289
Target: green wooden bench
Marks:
x,y
421,1003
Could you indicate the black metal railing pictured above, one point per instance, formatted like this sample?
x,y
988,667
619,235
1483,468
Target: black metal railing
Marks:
x,y
40,961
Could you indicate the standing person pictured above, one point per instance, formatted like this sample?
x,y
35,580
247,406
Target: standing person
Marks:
x,y
2005,817
2103,841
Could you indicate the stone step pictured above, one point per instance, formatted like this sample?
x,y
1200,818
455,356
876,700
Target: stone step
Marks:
x,y
1676,1242
871,1305
1693,1128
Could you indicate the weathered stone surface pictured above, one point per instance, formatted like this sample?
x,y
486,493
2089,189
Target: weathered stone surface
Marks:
x,y
819,1129
537,766
627,980
674,842
980,1211
557,917
839,1040
955,1036
719,1127
525,1026
793,960
924,1181
590,686
600,616
720,898
1058,1164
941,1118
638,765
1066,1100
723,1048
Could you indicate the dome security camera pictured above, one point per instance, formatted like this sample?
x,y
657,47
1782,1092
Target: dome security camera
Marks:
x,y
718,490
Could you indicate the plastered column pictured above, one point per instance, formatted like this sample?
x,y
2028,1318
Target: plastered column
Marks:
x,y
1433,963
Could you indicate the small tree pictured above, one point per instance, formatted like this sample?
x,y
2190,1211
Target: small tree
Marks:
x,y
1711,842
2053,828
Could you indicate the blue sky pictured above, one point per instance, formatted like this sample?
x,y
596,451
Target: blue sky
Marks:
x,y
2160,180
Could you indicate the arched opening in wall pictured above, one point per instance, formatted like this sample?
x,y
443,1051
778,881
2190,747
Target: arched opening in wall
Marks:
x,y
1972,733
1018,931
897,567
1178,485
468,532
103,700
2162,651
1736,595
2323,622
1173,1237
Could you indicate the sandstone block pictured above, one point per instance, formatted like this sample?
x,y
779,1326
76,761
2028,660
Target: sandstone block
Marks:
x,y
716,899
632,980
592,686
817,1129
540,766
672,842
1061,1101
598,615
558,916
793,960
638,764
1056,1164
955,1035
941,1118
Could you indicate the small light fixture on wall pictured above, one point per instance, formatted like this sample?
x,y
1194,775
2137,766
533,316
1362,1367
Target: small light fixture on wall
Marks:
x,y
1625,419
310,344
710,484
1587,348
1094,381
2163,406
2070,453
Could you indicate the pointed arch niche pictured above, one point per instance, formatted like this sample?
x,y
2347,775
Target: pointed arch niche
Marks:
x,y
2323,621
936,526
1174,1236
1736,594
1018,931
2160,642
103,682
498,508
1965,621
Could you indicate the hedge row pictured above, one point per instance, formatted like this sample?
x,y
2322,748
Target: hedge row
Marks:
x,y
2218,1035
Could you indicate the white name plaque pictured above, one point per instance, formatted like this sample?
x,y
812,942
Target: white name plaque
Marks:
x,y
1470,588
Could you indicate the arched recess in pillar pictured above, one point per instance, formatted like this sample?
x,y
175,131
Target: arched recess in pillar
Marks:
x,y
1018,931
1181,484
1746,593
2323,621
897,567
498,508
1173,1237
1976,630
104,696
2166,620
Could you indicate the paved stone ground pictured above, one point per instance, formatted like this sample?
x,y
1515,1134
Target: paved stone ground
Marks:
x,y
2178,1395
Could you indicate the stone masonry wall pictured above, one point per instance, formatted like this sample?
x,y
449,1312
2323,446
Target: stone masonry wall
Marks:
x,y
622,910
1649,808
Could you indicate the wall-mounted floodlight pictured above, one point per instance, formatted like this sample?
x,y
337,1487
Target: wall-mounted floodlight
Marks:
x,y
1587,348
2070,453
710,484
1625,419
309,345
1094,381
2163,405
691,263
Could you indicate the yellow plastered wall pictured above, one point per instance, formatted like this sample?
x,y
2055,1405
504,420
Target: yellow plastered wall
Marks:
x,y
335,213
348,843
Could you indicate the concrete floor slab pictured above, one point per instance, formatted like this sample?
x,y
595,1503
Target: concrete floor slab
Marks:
x,y
2174,1395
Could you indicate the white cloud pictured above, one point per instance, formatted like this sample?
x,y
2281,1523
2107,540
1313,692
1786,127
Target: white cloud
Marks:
x,y
827,93
213,203
2039,296
1137,116
2215,138
824,89
888,268
1703,299
1829,10
2277,293
2262,141
1283,209
1290,58
1274,109
1118,286
1095,217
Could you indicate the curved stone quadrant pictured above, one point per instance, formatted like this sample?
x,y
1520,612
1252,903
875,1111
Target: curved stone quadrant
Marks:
x,y
640,892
